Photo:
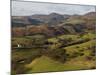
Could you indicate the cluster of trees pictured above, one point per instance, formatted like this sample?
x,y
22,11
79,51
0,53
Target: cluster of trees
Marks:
x,y
57,55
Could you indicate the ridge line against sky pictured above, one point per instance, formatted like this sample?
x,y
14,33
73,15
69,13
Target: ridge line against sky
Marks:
x,y
26,8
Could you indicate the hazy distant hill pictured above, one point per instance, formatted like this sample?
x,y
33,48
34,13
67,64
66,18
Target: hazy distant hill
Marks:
x,y
51,19
87,20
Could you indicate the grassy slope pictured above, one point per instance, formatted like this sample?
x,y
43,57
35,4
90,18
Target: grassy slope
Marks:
x,y
83,46
44,64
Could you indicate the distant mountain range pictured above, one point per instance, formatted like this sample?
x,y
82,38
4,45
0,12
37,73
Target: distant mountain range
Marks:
x,y
53,24
51,19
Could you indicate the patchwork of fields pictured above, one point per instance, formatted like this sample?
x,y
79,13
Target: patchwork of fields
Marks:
x,y
71,52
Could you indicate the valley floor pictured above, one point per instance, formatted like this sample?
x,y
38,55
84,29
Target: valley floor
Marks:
x,y
80,55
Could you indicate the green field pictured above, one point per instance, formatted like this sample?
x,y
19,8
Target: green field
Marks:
x,y
79,55
45,64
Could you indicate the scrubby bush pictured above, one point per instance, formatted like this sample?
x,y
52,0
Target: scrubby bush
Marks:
x,y
57,54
